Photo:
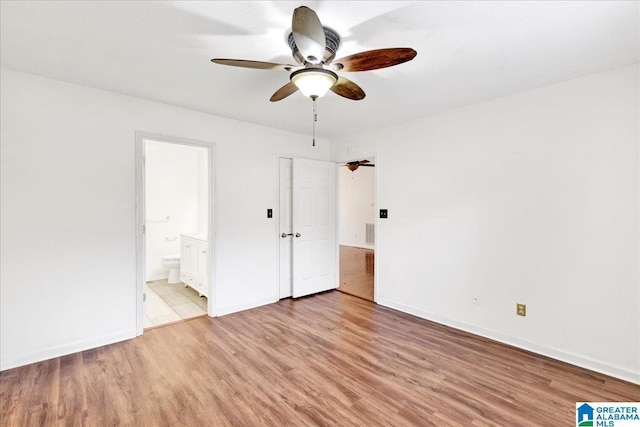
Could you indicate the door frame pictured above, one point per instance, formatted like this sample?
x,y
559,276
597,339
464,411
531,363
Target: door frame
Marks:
x,y
376,217
140,205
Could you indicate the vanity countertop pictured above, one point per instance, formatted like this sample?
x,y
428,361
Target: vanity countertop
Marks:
x,y
202,237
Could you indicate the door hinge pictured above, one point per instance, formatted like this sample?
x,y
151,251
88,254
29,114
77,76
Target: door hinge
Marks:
x,y
144,229
144,297
144,160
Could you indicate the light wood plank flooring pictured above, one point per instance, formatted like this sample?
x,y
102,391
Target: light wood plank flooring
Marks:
x,y
168,303
326,360
356,271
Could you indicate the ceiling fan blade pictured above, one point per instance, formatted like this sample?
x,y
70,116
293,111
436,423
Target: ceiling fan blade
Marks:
x,y
259,65
374,59
283,92
368,165
348,89
308,34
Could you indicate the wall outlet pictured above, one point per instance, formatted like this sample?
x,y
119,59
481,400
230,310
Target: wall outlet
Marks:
x,y
521,309
475,300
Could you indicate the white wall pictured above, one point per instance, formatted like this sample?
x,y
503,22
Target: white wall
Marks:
x,y
176,190
357,205
532,198
67,270
202,227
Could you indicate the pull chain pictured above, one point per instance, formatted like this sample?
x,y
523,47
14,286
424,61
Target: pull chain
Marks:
x,y
315,119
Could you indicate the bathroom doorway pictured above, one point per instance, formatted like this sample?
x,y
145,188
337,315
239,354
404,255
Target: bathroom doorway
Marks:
x,y
356,213
175,252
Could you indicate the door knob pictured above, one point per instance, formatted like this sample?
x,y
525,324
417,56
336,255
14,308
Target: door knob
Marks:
x,y
298,234
284,235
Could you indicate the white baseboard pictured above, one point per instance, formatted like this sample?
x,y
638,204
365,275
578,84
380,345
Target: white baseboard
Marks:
x,y
563,356
357,245
236,308
16,361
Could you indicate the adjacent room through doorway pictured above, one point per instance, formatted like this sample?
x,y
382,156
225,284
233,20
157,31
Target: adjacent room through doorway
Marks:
x,y
176,232
356,185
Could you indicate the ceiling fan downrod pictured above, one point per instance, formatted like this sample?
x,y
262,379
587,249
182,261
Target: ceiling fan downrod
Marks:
x,y
315,118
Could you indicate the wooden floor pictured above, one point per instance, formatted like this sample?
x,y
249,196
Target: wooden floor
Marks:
x,y
356,271
330,359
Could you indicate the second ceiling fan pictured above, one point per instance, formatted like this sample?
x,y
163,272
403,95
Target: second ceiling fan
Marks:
x,y
352,166
314,47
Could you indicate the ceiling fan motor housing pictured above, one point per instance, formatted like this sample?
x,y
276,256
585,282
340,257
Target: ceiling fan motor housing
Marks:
x,y
331,47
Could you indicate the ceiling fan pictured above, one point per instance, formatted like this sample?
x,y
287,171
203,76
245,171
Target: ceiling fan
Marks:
x,y
352,166
314,47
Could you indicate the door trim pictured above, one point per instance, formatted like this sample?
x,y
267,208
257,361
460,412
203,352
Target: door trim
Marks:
x,y
140,198
376,216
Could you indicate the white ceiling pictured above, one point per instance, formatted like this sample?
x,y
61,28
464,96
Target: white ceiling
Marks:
x,y
468,52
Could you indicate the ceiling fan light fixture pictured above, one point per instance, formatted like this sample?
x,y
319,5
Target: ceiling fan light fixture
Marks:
x,y
314,82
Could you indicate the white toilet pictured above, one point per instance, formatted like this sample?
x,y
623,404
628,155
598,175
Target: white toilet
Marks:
x,y
172,262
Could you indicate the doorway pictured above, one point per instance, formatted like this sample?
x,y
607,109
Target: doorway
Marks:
x,y
356,213
174,213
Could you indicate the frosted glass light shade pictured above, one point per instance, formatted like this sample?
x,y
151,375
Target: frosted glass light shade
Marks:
x,y
314,82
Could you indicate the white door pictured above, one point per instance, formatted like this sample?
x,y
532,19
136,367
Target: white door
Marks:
x,y
314,226
285,228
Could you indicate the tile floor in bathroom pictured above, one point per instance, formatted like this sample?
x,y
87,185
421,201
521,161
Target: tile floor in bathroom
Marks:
x,y
168,303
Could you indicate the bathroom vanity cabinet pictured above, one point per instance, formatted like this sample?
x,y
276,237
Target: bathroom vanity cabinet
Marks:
x,y
194,262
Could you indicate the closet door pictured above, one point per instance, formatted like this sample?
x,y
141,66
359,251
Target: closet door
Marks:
x,y
314,227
